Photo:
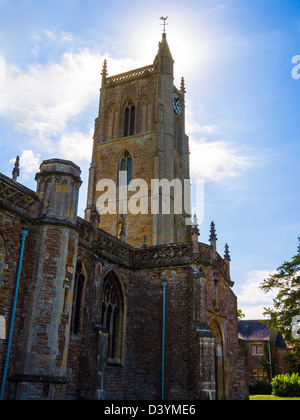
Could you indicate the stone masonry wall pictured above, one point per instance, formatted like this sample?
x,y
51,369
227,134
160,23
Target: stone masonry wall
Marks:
x,y
137,226
50,362
140,377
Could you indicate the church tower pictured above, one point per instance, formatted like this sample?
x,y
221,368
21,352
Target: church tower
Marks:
x,y
140,135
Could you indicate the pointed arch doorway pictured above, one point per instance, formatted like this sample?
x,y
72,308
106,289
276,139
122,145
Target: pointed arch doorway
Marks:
x,y
219,360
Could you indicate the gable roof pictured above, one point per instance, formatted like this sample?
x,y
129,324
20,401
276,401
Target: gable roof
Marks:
x,y
256,330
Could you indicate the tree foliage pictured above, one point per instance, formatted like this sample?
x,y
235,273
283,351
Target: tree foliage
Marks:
x,y
286,308
286,385
241,314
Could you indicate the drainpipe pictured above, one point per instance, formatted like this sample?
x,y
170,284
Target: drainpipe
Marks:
x,y
24,233
270,361
163,373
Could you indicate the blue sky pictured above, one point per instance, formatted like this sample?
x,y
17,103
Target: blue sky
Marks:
x,y
243,106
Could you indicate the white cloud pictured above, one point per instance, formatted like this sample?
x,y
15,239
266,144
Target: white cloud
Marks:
x,y
2,68
76,146
59,37
42,99
212,159
216,161
251,299
49,34
193,128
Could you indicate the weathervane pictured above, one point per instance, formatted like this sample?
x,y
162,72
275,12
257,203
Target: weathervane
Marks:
x,y
164,24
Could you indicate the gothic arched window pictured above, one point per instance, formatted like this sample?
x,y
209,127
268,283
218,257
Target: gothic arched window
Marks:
x,y
112,126
78,296
126,169
113,316
146,115
129,120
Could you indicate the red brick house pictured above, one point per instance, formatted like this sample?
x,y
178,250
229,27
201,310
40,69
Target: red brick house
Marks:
x,y
262,348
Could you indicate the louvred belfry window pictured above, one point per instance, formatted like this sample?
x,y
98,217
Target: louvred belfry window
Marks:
x,y
129,120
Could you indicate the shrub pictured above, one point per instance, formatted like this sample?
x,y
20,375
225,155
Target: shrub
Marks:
x,y
286,385
247,397
261,388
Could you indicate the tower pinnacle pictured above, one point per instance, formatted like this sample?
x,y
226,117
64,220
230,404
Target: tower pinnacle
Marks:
x,y
227,254
182,86
104,69
104,72
16,170
213,239
213,235
164,61
195,227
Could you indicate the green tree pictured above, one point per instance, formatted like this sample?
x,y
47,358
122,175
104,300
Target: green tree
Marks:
x,y
287,302
241,315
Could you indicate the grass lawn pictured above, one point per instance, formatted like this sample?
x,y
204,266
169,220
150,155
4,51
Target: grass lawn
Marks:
x,y
271,398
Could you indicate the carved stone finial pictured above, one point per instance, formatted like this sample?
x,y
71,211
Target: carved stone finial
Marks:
x,y
104,72
213,235
104,69
182,87
122,228
195,227
95,216
227,254
16,170
145,242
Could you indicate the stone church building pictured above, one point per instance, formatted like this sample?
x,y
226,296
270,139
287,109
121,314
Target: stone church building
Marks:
x,y
117,306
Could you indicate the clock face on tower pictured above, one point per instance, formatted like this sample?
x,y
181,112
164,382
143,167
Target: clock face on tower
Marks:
x,y
176,104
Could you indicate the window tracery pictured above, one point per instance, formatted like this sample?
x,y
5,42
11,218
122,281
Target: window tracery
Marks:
x,y
125,169
78,297
113,315
146,117
129,120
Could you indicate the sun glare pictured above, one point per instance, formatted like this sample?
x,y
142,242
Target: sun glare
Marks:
x,y
189,44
